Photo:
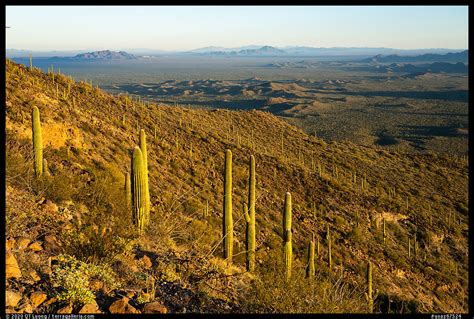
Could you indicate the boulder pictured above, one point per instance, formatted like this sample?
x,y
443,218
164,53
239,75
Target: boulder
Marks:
x,y
51,243
25,308
12,270
36,246
65,310
37,298
22,242
12,298
90,308
154,307
146,262
10,244
34,275
122,306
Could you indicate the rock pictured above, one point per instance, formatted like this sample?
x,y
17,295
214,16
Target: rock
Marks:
x,y
36,246
90,308
23,242
146,262
12,269
37,298
122,306
10,244
154,307
51,243
25,308
65,310
12,298
34,275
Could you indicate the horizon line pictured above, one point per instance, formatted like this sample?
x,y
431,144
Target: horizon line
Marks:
x,y
279,47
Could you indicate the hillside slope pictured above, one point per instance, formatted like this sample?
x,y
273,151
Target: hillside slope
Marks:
x,y
78,216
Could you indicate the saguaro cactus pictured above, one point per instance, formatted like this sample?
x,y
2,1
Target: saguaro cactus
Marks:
x,y
329,249
251,223
288,252
128,194
368,295
145,166
310,270
37,142
138,190
228,226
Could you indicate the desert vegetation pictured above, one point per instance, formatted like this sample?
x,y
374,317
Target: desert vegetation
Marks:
x,y
145,207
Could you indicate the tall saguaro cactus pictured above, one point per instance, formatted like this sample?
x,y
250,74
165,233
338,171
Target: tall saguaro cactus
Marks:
x,y
37,142
310,270
145,166
251,223
370,300
288,252
138,190
228,226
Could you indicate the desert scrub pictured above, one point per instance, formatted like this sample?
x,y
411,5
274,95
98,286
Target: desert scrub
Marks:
x,y
72,279
90,243
272,293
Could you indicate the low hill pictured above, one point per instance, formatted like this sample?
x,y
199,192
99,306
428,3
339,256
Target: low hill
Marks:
x,y
72,247
429,57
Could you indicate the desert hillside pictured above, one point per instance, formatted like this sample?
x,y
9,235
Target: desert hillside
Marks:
x,y
72,247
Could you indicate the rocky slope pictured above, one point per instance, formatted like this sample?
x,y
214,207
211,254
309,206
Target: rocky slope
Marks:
x,y
71,245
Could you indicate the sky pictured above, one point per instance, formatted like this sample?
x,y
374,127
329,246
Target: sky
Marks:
x,y
190,27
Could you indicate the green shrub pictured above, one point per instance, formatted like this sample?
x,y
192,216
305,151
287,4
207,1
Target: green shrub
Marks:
x,y
72,279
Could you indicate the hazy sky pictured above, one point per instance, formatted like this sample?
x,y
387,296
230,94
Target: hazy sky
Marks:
x,y
190,27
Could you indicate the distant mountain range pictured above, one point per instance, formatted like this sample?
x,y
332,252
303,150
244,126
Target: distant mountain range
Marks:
x,y
262,51
430,57
255,50
87,56
310,51
105,55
